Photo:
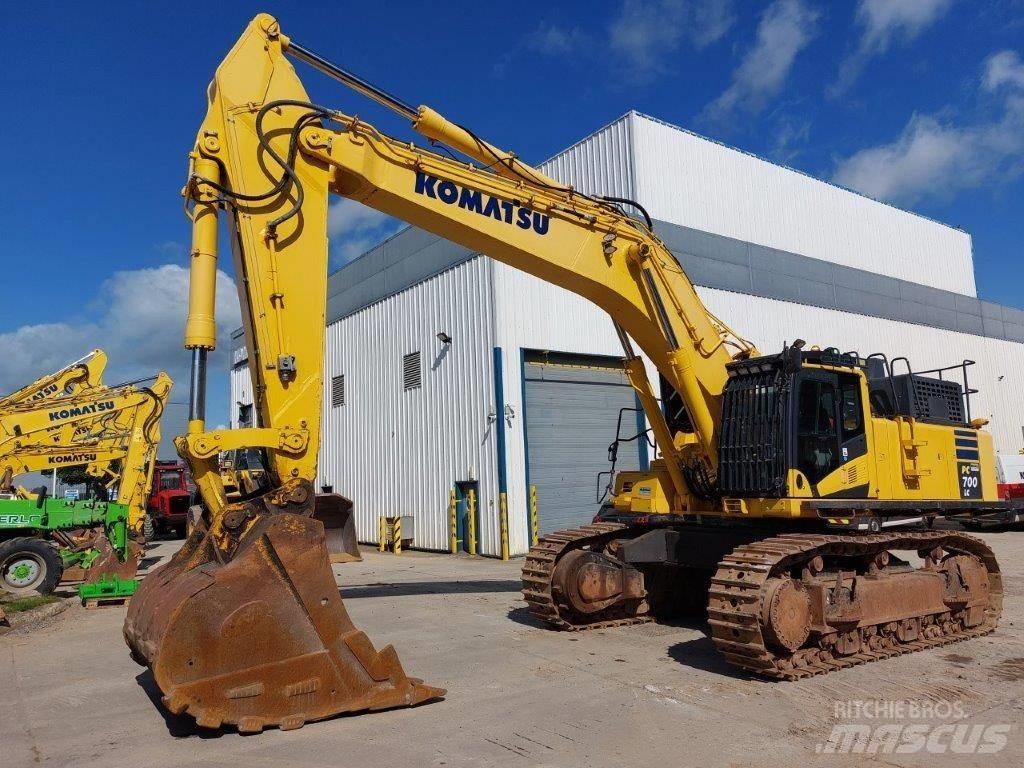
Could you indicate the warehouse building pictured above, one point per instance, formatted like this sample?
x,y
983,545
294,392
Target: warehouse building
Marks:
x,y
447,371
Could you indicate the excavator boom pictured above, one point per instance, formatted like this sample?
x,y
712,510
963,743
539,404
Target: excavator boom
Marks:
x,y
84,373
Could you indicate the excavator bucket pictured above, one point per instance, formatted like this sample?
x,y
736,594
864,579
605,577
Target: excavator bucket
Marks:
x,y
109,565
339,521
255,633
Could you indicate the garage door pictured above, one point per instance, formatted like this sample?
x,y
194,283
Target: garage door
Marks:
x,y
572,409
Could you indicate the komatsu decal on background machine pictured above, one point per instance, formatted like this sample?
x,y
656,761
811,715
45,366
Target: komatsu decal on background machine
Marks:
x,y
245,625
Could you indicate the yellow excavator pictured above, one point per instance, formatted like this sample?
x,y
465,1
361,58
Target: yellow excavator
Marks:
x,y
84,373
758,453
114,432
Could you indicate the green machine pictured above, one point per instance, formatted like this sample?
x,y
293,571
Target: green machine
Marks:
x,y
43,539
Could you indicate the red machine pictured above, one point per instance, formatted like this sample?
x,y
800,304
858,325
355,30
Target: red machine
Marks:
x,y
1010,474
170,499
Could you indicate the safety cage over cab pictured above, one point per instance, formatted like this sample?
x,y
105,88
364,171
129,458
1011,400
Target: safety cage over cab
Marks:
x,y
805,410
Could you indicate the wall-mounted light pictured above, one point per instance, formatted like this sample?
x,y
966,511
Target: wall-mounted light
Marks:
x,y
444,338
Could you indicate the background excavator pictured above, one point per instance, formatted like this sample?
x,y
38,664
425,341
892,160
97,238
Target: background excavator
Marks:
x,y
82,374
114,432
76,377
757,452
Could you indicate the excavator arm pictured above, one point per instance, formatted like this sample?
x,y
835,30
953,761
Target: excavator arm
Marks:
x,y
73,378
247,613
271,158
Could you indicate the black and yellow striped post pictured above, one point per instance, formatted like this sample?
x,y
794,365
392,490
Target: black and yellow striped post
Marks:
x,y
396,536
471,520
453,526
503,512
382,533
534,522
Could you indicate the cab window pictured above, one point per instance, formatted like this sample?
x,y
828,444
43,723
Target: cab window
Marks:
x,y
817,430
853,414
170,481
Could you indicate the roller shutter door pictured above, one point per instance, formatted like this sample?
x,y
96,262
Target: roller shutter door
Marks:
x,y
571,416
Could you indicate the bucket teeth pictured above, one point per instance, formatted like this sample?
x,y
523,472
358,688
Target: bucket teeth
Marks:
x,y
263,638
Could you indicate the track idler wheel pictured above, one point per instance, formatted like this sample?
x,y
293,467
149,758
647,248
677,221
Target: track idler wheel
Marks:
x,y
590,582
246,626
786,614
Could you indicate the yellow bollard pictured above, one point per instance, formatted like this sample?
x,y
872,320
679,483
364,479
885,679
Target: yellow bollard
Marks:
x,y
453,527
533,516
396,545
471,520
503,510
382,532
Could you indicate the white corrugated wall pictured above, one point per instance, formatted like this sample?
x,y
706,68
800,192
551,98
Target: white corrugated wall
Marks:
x,y
686,179
396,452
241,391
998,373
600,164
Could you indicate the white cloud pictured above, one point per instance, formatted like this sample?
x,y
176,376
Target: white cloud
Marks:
x,y
171,249
354,228
790,137
646,34
785,29
881,22
138,318
551,40
934,158
1003,68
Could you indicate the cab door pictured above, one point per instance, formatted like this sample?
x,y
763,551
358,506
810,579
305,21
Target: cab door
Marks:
x,y
817,448
831,437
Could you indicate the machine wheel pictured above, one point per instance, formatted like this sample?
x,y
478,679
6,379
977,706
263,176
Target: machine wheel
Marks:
x,y
148,528
29,567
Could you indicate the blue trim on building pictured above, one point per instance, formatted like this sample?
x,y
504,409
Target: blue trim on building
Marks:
x,y
499,412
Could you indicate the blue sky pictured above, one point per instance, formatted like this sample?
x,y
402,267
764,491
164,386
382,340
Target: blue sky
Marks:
x,y
917,102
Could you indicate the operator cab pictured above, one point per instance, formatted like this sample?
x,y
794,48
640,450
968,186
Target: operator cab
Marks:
x,y
807,410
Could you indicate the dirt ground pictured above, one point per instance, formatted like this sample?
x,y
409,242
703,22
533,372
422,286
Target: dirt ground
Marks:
x,y
521,695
